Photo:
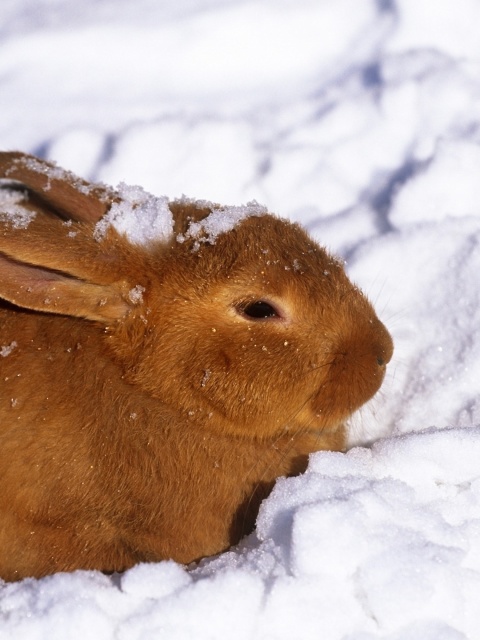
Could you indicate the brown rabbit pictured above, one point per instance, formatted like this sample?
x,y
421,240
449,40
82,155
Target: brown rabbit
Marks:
x,y
152,391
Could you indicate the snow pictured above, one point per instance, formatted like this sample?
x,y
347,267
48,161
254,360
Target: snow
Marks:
x,y
140,216
16,215
51,172
221,220
135,294
7,349
359,119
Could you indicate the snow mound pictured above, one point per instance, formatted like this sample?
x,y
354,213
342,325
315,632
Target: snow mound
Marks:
x,y
432,194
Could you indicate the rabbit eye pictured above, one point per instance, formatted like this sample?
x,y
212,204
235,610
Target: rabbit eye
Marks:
x,y
259,309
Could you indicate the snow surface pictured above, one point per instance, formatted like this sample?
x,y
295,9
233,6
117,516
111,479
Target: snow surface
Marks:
x,y
360,119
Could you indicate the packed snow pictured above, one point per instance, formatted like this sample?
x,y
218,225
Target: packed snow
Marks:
x,y
359,119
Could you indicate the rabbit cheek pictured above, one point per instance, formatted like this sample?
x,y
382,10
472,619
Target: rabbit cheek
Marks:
x,y
241,384
233,395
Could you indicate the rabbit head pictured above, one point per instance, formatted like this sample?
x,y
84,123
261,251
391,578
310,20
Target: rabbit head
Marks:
x,y
262,329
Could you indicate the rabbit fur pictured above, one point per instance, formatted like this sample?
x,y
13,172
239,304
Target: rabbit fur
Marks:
x,y
145,410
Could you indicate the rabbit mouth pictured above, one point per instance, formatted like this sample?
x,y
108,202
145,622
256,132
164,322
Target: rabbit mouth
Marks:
x,y
353,377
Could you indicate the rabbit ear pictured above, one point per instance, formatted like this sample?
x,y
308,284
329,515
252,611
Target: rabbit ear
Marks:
x,y
39,289
66,194
58,267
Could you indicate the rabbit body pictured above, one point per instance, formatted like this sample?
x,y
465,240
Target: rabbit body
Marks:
x,y
147,403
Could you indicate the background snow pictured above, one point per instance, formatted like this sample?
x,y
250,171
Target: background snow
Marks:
x,y
359,118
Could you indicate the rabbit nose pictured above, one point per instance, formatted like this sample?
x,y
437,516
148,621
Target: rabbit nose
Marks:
x,y
384,345
384,354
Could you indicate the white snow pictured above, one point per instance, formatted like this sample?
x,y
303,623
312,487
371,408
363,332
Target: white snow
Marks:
x,y
140,216
12,211
135,294
221,220
7,349
51,172
361,120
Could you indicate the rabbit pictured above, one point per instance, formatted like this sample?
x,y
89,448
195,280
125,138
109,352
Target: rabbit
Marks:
x,y
152,391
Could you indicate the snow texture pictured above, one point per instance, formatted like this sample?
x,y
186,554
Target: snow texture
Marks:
x,y
140,216
361,120
12,211
220,220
